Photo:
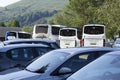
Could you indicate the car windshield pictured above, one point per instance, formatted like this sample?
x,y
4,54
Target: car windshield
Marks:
x,y
47,61
105,68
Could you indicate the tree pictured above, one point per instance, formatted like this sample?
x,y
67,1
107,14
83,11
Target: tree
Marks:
x,y
78,12
15,23
27,29
109,14
81,12
2,24
12,23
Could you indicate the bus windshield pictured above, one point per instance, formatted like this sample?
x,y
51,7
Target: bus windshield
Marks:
x,y
24,35
11,34
16,35
93,29
41,29
68,32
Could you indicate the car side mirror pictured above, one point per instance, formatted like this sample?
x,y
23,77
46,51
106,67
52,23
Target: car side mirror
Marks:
x,y
65,70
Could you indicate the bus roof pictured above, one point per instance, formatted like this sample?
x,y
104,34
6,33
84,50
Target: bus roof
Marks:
x,y
94,25
50,25
58,25
19,32
73,28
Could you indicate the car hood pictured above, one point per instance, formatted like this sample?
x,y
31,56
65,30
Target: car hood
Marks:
x,y
20,75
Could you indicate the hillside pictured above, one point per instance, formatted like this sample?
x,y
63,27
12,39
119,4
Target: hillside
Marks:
x,y
31,11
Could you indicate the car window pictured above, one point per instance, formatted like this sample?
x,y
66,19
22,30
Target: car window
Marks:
x,y
1,44
78,61
100,53
42,51
21,54
106,67
74,63
0,56
54,45
47,61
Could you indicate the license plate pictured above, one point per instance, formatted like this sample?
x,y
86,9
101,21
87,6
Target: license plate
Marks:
x,y
67,44
93,43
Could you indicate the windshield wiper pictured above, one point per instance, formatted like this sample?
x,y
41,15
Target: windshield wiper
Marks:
x,y
28,70
42,69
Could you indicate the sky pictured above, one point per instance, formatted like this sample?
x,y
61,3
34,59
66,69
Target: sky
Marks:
x,y
4,3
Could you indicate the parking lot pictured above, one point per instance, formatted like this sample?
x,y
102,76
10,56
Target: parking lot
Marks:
x,y
59,40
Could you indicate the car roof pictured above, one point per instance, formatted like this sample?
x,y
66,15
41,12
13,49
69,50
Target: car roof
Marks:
x,y
114,53
73,51
8,47
28,40
117,38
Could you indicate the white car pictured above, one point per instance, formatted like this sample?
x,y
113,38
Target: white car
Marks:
x,y
57,64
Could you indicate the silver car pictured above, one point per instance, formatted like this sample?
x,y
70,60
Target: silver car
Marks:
x,y
50,43
106,67
19,55
57,64
117,43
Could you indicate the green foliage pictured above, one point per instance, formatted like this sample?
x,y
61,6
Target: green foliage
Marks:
x,y
2,24
28,12
109,14
27,29
15,23
12,23
31,18
81,12
78,12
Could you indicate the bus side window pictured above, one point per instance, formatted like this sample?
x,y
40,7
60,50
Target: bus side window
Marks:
x,y
79,34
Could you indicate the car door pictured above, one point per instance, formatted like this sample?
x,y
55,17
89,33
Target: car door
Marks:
x,y
21,56
75,63
4,62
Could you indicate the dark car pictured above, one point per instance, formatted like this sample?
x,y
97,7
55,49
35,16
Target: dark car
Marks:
x,y
50,43
107,67
19,55
57,64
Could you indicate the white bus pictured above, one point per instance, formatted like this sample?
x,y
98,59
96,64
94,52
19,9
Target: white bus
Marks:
x,y
17,35
93,35
69,37
46,31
